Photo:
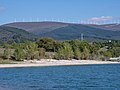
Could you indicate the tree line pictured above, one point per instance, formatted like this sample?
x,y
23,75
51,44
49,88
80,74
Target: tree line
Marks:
x,y
48,48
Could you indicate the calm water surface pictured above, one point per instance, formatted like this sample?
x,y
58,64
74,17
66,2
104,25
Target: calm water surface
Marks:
x,y
86,77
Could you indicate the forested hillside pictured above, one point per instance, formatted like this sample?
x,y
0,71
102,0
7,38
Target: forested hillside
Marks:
x,y
68,31
10,35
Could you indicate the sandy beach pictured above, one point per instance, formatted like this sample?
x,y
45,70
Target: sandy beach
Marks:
x,y
51,62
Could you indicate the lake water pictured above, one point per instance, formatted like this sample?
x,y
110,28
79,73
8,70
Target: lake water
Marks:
x,y
85,77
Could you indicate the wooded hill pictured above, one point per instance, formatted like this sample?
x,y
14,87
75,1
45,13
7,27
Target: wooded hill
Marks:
x,y
58,31
11,35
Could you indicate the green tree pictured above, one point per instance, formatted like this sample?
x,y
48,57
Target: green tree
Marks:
x,y
7,53
85,54
115,51
49,44
75,44
65,52
60,53
77,54
30,50
107,54
93,49
19,54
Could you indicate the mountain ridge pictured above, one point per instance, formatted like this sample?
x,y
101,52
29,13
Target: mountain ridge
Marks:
x,y
67,31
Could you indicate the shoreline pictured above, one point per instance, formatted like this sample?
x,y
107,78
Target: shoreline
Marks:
x,y
52,62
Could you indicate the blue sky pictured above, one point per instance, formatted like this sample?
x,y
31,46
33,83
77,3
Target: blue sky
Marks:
x,y
57,10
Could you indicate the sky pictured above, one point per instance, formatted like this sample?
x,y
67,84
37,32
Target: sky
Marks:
x,y
59,10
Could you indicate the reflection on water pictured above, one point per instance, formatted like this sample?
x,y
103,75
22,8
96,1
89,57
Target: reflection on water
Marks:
x,y
86,77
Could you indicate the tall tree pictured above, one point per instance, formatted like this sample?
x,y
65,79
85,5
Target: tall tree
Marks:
x,y
65,52
85,53
49,44
19,54
7,53
30,50
77,54
107,54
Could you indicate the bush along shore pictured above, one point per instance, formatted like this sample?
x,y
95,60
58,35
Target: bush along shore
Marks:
x,y
48,48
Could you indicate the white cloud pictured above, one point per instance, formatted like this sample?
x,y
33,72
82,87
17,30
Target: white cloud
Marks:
x,y
101,20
